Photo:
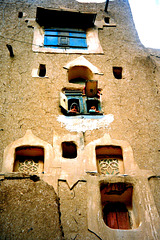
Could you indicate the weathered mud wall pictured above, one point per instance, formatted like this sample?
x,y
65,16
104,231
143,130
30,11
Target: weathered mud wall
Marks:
x,y
33,103
73,204
29,209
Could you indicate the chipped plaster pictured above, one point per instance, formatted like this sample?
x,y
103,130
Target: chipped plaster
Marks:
x,y
84,123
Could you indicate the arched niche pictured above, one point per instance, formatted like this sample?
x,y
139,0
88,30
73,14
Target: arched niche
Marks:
x,y
80,70
111,151
79,74
28,150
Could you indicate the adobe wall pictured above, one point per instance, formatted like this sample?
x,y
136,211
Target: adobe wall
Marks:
x,y
29,209
33,102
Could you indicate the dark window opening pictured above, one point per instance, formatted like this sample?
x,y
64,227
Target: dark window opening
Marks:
x,y
116,200
117,72
42,70
29,159
69,150
92,106
20,14
106,19
65,19
73,105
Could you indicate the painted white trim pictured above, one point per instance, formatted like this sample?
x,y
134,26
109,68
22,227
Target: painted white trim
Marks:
x,y
93,42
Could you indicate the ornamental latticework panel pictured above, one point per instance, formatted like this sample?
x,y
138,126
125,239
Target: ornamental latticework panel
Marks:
x,y
109,166
28,166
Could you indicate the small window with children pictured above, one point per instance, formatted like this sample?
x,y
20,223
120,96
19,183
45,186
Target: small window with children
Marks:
x,y
84,101
93,106
73,105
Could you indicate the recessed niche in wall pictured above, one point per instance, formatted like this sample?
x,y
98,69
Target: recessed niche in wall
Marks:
x,y
106,19
117,72
118,208
20,14
69,150
109,160
29,159
79,74
42,70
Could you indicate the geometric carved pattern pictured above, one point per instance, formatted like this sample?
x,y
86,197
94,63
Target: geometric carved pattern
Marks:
x,y
28,166
109,166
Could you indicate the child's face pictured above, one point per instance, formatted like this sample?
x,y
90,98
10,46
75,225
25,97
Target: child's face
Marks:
x,y
93,108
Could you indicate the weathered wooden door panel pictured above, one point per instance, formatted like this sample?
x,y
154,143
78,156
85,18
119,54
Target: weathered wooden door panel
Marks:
x,y
116,216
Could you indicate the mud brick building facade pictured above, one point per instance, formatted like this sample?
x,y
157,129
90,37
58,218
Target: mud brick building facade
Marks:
x,y
79,153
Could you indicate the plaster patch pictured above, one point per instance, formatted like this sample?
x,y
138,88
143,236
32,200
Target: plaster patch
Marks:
x,y
84,123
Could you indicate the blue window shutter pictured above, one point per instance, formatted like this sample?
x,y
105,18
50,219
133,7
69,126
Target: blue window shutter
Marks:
x,y
65,38
77,42
50,41
78,35
51,32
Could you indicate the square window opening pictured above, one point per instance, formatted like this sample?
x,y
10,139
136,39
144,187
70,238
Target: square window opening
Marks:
x,y
69,150
93,106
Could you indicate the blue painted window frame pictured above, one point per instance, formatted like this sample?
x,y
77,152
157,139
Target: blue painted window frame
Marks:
x,y
65,38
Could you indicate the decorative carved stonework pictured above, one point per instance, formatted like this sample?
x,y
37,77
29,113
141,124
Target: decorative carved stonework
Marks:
x,y
109,166
28,166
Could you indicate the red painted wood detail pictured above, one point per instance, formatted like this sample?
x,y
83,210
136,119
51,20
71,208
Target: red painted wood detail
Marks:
x,y
116,215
